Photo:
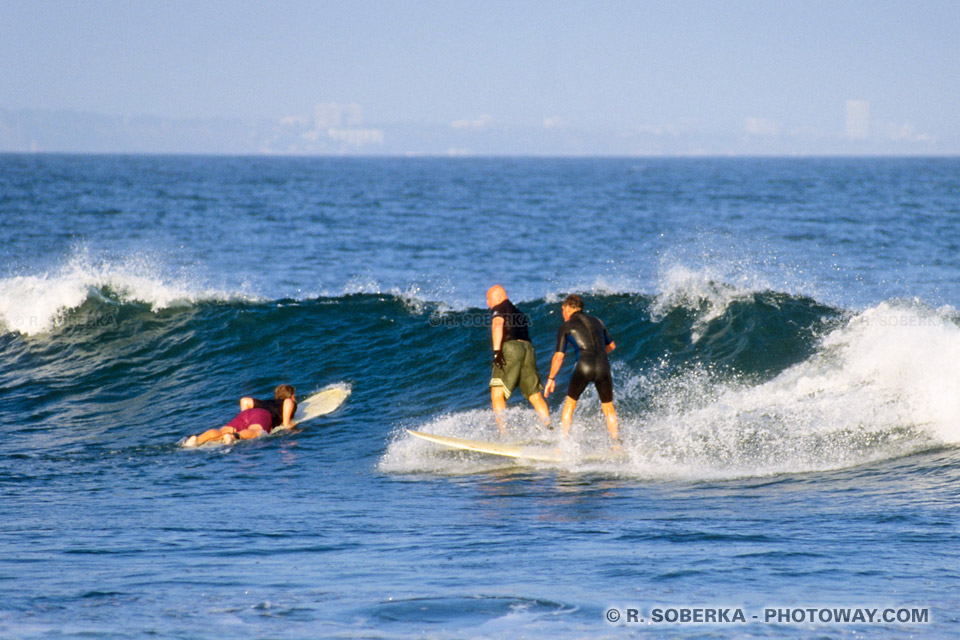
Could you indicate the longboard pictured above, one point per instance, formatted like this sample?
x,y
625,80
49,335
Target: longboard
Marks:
x,y
538,454
319,404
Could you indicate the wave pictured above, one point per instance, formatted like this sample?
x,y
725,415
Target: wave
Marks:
x,y
40,303
713,379
37,304
877,385
82,288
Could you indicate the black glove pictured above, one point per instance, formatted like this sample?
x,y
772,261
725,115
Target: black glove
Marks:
x,y
498,358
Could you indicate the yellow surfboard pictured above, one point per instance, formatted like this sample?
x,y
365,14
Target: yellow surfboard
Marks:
x,y
321,403
538,454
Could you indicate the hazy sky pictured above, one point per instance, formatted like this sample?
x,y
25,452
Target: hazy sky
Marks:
x,y
707,67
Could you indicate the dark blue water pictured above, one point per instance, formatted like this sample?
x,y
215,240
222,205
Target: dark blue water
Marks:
x,y
786,375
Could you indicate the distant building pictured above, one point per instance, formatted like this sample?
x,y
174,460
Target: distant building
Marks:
x,y
335,115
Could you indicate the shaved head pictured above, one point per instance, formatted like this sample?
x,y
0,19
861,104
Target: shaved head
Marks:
x,y
495,295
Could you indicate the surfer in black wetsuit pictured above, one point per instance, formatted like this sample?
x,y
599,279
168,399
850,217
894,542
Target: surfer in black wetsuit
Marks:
x,y
592,342
514,360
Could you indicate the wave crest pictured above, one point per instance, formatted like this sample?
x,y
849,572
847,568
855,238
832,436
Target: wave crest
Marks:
x,y
36,304
879,386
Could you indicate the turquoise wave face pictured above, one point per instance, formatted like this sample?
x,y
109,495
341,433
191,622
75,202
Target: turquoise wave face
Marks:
x,y
413,358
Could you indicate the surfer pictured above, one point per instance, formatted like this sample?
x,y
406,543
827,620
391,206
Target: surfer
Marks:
x,y
514,361
592,342
256,418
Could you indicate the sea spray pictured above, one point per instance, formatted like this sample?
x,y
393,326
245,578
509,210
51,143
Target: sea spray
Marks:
x,y
39,303
876,388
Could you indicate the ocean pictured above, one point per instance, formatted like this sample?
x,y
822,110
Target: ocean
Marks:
x,y
787,377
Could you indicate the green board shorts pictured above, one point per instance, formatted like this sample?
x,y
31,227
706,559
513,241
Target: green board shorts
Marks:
x,y
521,369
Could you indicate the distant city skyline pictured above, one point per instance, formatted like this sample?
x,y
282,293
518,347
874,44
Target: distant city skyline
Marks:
x,y
471,78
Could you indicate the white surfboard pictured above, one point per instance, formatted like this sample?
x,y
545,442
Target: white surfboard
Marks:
x,y
538,454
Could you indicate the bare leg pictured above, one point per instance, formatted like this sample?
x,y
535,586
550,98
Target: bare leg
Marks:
x,y
499,403
251,432
612,425
541,407
209,436
566,418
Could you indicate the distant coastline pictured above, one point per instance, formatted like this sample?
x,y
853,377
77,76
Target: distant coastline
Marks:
x,y
59,131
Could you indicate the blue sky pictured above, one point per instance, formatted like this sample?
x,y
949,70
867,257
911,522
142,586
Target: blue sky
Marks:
x,y
779,73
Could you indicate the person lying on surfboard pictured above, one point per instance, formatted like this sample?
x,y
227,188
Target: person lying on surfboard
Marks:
x,y
256,418
514,361
592,342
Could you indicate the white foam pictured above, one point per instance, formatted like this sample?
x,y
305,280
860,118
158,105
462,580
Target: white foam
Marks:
x,y
910,355
407,454
35,304
703,291
881,386
709,272
359,285
707,289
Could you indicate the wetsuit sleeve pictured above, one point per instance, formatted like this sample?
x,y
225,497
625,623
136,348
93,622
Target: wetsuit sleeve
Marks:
x,y
606,334
562,333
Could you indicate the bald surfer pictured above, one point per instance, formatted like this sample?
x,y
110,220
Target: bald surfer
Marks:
x,y
514,360
592,342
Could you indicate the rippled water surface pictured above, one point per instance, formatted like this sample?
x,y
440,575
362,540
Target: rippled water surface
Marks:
x,y
786,378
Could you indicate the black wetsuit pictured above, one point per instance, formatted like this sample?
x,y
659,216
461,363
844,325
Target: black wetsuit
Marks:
x,y
590,339
275,407
515,323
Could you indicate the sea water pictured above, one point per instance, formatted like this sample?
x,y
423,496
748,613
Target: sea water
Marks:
x,y
787,377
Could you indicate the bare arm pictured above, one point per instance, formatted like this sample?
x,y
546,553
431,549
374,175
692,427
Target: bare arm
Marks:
x,y
288,409
555,365
497,331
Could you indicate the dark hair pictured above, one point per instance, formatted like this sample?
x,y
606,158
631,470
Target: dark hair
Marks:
x,y
573,301
283,392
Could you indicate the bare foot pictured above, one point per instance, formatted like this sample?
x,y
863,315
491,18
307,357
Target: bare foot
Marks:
x,y
191,442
